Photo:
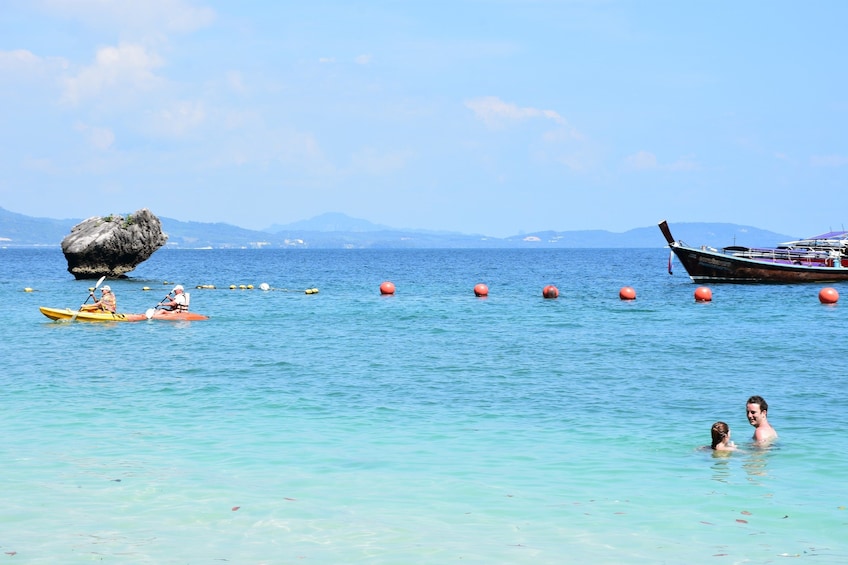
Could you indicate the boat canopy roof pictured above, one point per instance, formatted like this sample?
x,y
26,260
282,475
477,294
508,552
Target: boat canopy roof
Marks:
x,y
831,235
829,239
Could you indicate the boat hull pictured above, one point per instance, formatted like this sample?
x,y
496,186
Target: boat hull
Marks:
x,y
705,265
84,316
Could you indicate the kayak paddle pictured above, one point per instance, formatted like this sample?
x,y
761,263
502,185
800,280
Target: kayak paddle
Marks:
x,y
90,294
151,311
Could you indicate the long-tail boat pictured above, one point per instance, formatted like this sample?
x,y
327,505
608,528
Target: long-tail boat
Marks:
x,y
822,258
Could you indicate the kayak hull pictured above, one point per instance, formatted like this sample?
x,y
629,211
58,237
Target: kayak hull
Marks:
x,y
66,314
84,316
168,315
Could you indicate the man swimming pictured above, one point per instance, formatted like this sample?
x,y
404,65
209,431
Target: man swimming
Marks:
x,y
757,411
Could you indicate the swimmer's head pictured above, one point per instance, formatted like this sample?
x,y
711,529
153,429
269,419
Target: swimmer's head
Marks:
x,y
719,432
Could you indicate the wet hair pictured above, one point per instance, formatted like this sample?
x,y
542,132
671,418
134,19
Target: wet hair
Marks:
x,y
719,432
760,401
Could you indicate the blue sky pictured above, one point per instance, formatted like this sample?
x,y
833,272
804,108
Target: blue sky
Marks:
x,y
495,117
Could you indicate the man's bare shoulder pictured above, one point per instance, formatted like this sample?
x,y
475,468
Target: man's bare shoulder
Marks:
x,y
763,434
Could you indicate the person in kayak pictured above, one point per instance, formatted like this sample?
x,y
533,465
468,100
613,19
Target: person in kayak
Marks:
x,y
107,302
179,302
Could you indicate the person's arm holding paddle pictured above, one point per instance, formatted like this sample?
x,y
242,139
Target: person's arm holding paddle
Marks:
x,y
177,302
90,295
107,301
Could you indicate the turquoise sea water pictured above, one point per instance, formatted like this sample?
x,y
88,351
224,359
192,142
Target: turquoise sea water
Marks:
x,y
426,427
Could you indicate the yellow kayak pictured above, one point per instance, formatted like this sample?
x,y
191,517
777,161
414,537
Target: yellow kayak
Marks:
x,y
85,316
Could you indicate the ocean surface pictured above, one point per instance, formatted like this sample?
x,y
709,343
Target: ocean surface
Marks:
x,y
426,427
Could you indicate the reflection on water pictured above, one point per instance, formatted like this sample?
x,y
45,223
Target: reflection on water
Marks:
x,y
756,461
721,466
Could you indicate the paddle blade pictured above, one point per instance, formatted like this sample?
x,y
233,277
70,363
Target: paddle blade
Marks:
x,y
99,282
149,313
74,316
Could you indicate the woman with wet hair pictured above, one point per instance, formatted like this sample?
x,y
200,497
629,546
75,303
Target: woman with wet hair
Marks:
x,y
721,437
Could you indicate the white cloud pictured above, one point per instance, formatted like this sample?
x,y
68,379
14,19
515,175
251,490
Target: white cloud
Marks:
x,y
327,60
686,163
561,135
22,63
641,160
363,59
101,138
127,68
178,120
18,59
561,143
496,113
300,149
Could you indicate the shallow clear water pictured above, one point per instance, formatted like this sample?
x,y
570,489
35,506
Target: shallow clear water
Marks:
x,y
424,427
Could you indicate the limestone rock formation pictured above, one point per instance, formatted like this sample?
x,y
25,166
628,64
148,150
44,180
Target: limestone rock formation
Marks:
x,y
112,245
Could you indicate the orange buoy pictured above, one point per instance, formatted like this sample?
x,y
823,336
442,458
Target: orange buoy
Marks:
x,y
703,294
828,295
627,293
550,291
387,288
481,290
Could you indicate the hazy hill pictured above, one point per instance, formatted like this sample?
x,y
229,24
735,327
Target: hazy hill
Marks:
x,y
329,222
17,229
697,234
338,231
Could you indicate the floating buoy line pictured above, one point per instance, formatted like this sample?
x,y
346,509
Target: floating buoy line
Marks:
x,y
263,286
827,295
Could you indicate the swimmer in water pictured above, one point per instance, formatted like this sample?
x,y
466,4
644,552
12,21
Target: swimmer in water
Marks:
x,y
757,411
721,438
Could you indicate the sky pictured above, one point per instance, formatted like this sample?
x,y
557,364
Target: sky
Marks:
x,y
496,117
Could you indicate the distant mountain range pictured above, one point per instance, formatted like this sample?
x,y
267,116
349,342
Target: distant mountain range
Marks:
x,y
338,231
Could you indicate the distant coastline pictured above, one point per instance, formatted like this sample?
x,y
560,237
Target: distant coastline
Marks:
x,y
338,231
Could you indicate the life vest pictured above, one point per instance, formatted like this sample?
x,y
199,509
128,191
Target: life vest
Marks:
x,y
108,302
182,300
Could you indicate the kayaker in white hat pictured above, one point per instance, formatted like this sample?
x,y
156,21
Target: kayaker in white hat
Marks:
x,y
180,300
108,302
